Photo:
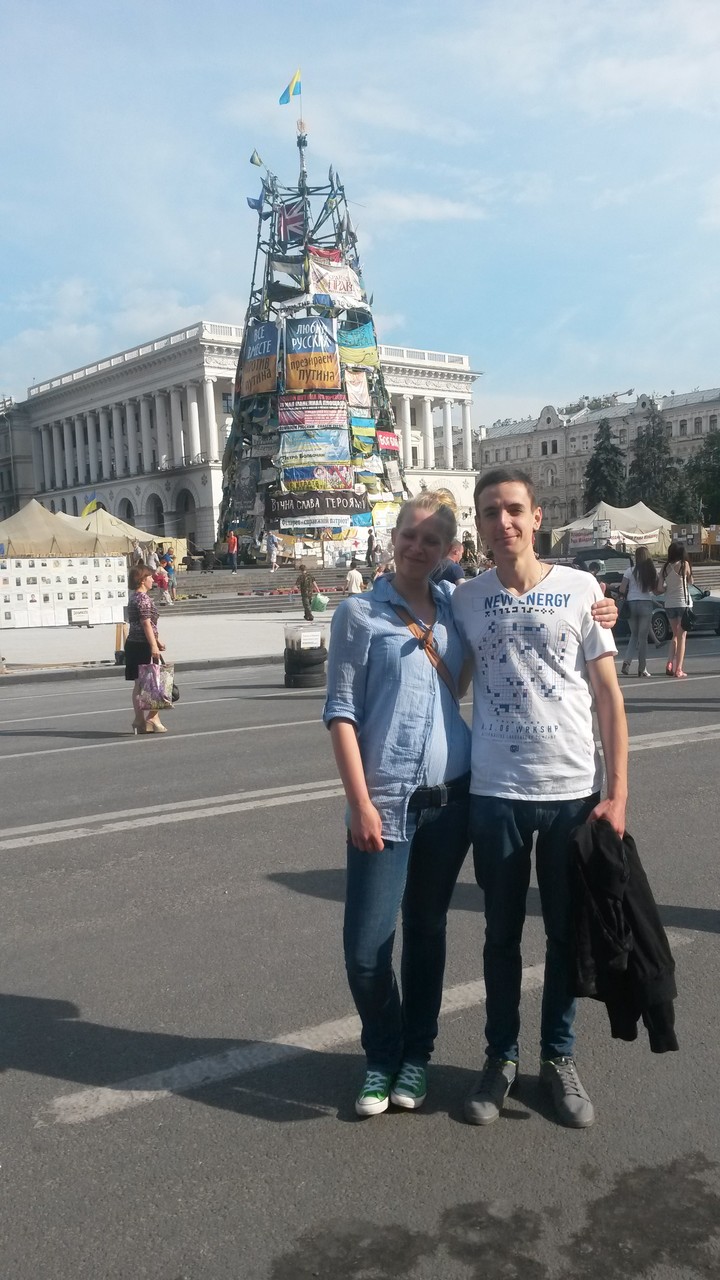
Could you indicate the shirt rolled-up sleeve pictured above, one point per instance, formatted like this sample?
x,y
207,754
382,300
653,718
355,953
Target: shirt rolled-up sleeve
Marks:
x,y
350,637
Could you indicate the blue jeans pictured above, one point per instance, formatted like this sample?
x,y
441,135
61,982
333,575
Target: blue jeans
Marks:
x,y
418,874
502,834
640,618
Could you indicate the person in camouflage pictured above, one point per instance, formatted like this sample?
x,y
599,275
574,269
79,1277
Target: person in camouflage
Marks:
x,y
308,587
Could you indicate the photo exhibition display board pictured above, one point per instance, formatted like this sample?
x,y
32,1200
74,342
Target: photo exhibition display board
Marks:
x,y
62,591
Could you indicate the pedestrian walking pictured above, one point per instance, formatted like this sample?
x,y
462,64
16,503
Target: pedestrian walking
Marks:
x,y
354,580
675,579
142,645
232,546
638,587
539,660
272,543
308,587
369,555
403,752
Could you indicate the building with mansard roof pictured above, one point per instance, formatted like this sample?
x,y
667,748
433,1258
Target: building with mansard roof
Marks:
x,y
144,430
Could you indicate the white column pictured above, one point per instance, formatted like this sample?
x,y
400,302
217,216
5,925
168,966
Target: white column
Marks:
x,y
46,437
467,435
91,420
164,437
210,431
57,454
80,452
38,460
105,448
132,438
69,453
448,434
405,430
118,441
176,426
428,437
193,421
146,434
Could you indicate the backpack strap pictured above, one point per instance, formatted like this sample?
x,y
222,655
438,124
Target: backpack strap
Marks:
x,y
428,643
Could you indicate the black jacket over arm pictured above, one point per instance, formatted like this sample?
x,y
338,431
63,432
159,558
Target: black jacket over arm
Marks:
x,y
623,955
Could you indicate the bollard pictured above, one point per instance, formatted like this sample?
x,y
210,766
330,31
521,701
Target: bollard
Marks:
x,y
305,656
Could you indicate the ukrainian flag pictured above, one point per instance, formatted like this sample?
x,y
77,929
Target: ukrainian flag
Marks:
x,y
293,90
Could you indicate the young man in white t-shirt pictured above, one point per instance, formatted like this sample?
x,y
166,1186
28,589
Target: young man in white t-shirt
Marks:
x,y
539,661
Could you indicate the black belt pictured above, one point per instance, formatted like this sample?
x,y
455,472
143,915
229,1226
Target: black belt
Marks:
x,y
438,797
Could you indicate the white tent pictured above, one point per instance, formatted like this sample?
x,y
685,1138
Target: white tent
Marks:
x,y
34,531
105,526
635,526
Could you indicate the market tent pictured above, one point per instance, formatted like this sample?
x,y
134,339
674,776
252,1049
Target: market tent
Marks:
x,y
33,531
632,525
107,527
101,522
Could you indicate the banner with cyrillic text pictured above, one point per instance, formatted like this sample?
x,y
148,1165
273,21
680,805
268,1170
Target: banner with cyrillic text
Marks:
x,y
312,411
311,354
312,448
259,371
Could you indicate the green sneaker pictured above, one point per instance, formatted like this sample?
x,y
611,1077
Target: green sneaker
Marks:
x,y
410,1087
374,1096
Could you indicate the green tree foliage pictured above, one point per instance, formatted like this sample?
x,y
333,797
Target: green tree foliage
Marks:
x,y
604,479
654,476
703,474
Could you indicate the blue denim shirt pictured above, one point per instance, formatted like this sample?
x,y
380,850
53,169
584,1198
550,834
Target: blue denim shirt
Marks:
x,y
410,730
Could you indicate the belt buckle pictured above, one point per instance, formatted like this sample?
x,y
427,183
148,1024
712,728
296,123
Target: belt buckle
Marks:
x,y
443,795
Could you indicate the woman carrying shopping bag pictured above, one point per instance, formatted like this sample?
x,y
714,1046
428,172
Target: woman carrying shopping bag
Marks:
x,y
142,645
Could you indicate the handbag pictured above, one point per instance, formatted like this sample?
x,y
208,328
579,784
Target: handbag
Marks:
x,y
155,686
319,603
688,617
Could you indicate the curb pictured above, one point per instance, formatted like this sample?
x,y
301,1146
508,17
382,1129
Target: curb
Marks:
x,y
45,676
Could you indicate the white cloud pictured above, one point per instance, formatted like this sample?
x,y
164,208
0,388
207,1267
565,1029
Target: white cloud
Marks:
x,y
398,206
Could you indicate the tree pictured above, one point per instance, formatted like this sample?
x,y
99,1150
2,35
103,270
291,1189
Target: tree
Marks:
x,y
604,479
703,474
654,476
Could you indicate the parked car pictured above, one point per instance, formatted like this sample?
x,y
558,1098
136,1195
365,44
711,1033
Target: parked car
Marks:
x,y
706,608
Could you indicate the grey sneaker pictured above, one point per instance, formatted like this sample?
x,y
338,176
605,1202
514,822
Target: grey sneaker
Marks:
x,y
494,1083
572,1104
625,669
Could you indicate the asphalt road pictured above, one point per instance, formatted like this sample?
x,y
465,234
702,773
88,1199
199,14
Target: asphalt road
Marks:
x,y
180,1056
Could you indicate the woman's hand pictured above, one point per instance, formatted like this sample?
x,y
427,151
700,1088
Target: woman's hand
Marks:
x,y
605,612
161,646
366,827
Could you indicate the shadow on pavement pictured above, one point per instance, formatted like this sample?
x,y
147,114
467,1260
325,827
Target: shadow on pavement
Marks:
x,y
330,886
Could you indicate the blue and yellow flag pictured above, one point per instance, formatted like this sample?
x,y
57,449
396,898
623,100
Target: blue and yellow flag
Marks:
x,y
293,90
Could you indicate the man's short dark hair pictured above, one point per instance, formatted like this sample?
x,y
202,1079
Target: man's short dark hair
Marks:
x,y
505,475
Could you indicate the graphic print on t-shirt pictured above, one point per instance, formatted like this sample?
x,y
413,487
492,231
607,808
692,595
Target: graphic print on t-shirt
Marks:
x,y
520,657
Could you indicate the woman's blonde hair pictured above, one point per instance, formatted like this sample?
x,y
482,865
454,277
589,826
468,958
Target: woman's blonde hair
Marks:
x,y
437,502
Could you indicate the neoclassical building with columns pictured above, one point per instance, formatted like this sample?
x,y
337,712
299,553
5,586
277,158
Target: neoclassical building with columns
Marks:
x,y
144,431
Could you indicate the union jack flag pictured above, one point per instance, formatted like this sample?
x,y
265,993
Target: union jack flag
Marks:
x,y
291,222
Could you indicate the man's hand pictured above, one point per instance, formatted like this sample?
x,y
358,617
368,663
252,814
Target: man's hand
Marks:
x,y
613,811
605,612
366,828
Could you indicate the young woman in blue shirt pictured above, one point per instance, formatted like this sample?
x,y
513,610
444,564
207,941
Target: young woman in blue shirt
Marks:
x,y
403,754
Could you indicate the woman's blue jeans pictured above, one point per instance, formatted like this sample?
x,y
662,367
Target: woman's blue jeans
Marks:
x,y
640,619
418,875
502,834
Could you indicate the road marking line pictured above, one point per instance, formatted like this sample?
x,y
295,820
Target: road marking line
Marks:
x,y
92,1104
160,819
674,737
131,740
172,807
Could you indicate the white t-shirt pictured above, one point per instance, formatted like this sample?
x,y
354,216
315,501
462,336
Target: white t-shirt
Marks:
x,y
532,733
635,591
355,583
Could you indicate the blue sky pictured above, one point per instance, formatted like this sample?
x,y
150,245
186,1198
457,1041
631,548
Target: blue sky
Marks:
x,y
535,183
